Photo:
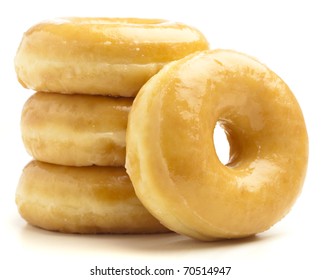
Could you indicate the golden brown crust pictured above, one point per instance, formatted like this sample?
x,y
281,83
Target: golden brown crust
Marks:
x,y
107,56
75,130
82,200
171,158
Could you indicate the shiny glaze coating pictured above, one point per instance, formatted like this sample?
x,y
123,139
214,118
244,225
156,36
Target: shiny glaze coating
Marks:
x,y
171,157
75,130
82,200
107,56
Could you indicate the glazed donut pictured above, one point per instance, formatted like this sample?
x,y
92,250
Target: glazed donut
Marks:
x,y
91,199
107,56
171,157
75,130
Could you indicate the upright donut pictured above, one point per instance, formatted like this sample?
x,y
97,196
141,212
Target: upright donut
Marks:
x,y
91,199
107,56
75,130
171,158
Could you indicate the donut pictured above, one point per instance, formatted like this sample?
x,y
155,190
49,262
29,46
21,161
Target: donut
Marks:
x,y
171,157
75,130
92,199
105,56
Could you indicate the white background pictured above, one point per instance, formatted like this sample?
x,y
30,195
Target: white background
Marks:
x,y
285,35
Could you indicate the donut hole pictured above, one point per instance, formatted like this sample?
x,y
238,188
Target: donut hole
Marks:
x,y
221,144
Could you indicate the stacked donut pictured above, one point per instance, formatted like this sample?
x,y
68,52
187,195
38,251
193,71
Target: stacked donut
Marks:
x,y
86,73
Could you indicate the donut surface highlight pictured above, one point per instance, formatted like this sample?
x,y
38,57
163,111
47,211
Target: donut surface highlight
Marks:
x,y
107,56
75,130
171,158
82,200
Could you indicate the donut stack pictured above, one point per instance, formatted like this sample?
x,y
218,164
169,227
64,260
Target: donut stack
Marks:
x,y
86,73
